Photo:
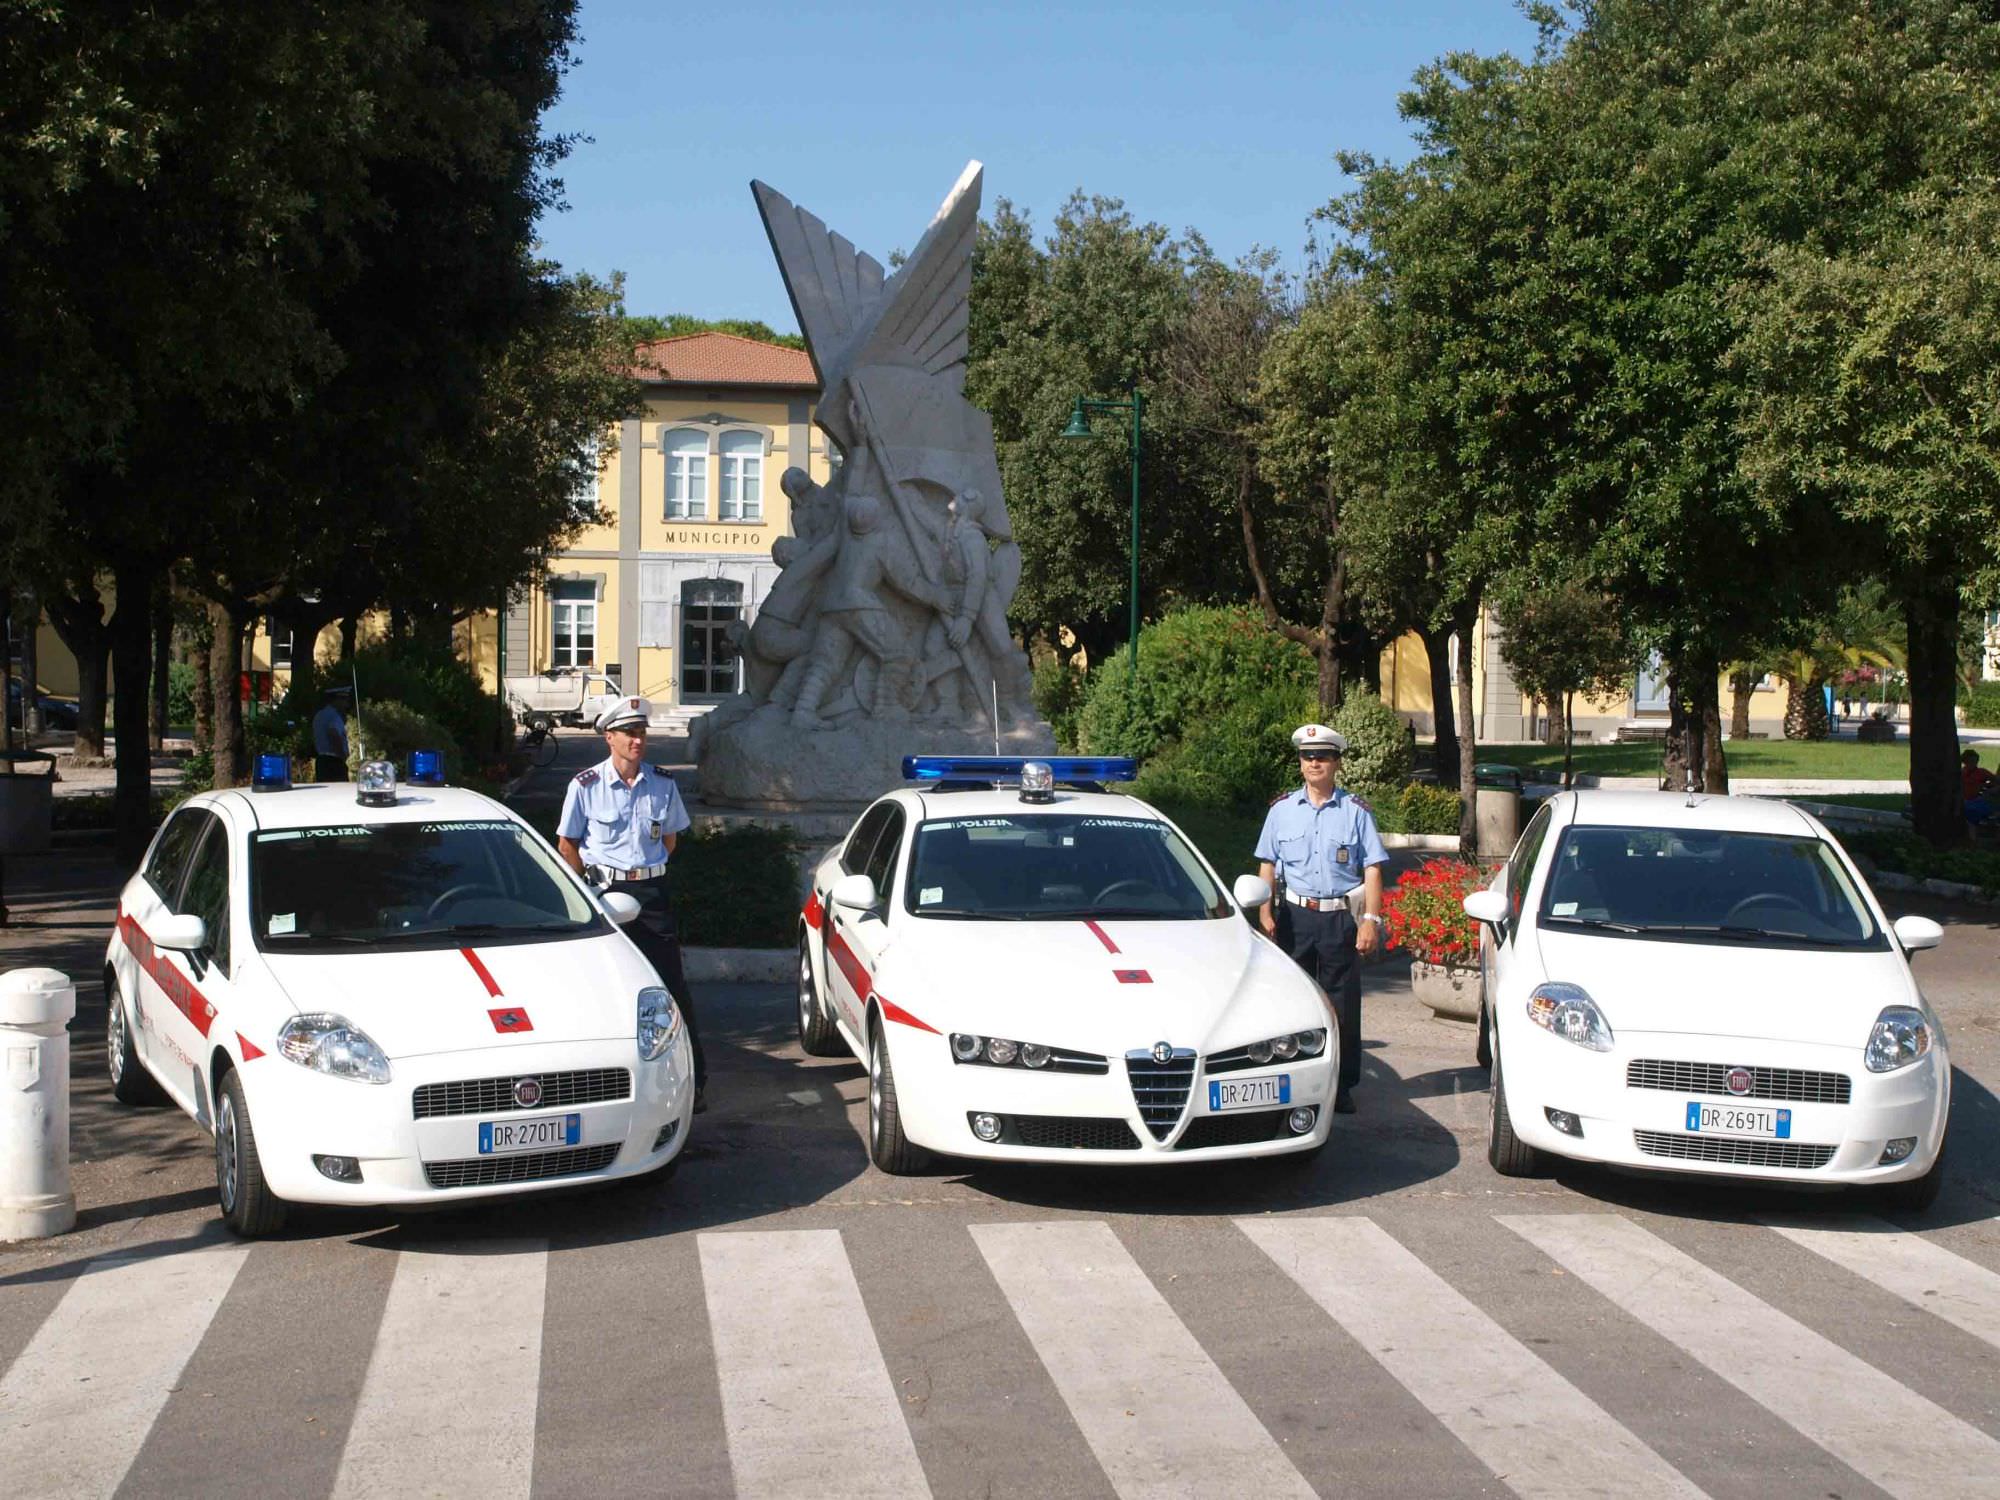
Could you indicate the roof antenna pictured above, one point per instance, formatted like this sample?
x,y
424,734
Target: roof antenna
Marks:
x,y
996,715
1691,795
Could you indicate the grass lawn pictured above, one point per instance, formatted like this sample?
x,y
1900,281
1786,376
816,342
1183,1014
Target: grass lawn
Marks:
x,y
1832,760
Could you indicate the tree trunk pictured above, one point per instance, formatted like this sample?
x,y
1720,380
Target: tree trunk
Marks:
x,y
1717,778
225,671
349,624
1741,686
1930,614
163,640
1333,602
204,693
1569,739
1805,708
1692,759
31,673
131,642
79,621
1444,750
1468,749
1557,732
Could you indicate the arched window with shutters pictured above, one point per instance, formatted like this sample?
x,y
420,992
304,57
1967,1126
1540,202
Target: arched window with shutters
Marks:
x,y
742,497
686,450
710,666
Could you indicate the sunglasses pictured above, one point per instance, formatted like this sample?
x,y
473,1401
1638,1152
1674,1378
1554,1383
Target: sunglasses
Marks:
x,y
1319,755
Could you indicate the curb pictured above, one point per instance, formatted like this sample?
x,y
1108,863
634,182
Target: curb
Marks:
x,y
739,965
1949,890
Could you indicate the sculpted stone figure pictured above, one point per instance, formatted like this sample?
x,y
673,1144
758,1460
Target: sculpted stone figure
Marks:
x,y
886,632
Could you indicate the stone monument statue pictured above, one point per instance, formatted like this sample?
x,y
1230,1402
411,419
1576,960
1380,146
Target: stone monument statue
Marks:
x,y
885,634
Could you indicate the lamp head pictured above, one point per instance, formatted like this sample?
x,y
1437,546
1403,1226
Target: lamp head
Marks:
x,y
1079,424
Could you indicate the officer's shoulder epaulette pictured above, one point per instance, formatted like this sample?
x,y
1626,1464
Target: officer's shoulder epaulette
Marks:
x,y
663,771
1361,802
585,778
1279,798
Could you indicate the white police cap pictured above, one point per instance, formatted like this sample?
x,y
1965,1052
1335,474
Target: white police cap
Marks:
x,y
1319,737
625,711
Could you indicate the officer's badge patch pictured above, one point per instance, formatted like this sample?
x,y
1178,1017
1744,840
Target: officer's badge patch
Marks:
x,y
586,778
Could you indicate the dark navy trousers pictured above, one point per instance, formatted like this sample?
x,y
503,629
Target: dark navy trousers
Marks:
x,y
1322,943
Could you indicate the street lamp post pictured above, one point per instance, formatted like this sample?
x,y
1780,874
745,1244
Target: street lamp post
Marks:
x,y
1079,427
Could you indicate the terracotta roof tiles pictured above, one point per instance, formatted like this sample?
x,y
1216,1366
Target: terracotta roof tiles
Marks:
x,y
723,359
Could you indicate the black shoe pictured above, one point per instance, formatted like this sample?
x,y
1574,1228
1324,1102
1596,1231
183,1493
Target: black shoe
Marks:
x,y
1343,1104
701,1098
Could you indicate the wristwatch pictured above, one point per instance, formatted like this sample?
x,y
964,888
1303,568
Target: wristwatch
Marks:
x,y
1369,916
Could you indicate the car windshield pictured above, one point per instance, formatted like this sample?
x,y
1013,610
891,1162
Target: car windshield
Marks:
x,y
1709,885
411,885
1051,866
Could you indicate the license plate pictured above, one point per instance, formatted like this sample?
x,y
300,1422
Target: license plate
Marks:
x,y
1225,1094
1737,1119
536,1133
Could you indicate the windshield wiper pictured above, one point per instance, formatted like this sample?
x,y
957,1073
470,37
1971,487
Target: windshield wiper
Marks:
x,y
352,938
1104,913
1602,923
501,929
1732,931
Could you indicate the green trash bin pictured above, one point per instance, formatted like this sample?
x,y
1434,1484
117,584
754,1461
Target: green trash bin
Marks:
x,y
1496,807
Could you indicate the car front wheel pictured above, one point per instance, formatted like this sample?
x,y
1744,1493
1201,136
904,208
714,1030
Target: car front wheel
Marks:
x,y
1509,1154
130,1082
249,1207
818,1036
888,1147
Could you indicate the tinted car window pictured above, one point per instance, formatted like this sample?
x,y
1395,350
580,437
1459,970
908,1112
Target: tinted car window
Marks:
x,y
1058,867
881,867
207,893
861,843
1521,868
1706,885
166,867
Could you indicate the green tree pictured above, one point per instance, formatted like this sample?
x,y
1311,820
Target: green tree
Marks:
x,y
644,328
1563,637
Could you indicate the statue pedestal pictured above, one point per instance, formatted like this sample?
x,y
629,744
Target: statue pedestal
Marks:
x,y
757,760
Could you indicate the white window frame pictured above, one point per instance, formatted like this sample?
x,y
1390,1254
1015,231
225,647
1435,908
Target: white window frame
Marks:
x,y
577,615
742,466
685,450
591,491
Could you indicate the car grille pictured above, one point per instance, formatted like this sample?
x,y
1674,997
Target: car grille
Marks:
x,y
1161,1089
1071,1133
531,1166
1793,1084
492,1096
1789,1154
1233,1130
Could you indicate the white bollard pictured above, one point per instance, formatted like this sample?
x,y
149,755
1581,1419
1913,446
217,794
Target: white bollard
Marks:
x,y
35,1198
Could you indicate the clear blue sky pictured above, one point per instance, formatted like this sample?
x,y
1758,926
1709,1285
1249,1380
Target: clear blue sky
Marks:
x,y
1207,116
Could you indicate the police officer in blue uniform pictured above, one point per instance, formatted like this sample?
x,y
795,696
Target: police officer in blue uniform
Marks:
x,y
620,821
1319,848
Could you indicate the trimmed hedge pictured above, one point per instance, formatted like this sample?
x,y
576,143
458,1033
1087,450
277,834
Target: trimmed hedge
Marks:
x,y
1982,705
1378,744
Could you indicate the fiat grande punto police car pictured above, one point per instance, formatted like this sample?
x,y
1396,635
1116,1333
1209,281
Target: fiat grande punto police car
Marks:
x,y
1041,970
377,994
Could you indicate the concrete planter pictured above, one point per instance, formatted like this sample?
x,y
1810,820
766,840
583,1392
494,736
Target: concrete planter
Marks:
x,y
27,808
1450,991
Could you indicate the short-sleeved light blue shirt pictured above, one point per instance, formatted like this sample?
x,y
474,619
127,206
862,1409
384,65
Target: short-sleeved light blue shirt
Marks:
x,y
622,827
1320,851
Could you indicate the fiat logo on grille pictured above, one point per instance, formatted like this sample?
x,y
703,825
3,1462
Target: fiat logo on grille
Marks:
x,y
1163,1052
527,1092
1739,1080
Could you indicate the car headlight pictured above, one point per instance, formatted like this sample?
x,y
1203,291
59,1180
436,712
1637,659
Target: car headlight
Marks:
x,y
659,1022
1900,1037
1284,1047
1571,1014
333,1045
1036,1057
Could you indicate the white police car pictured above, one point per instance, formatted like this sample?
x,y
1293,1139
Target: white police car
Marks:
x,y
1706,984
1036,969
373,994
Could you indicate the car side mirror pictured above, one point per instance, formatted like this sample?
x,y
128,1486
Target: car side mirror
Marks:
x,y
177,930
855,892
1487,906
618,906
1917,933
1251,891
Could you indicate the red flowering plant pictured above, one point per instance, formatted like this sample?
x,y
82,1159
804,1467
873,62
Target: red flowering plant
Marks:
x,y
1424,912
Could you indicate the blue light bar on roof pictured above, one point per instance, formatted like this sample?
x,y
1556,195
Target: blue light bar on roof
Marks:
x,y
272,772
1008,767
426,768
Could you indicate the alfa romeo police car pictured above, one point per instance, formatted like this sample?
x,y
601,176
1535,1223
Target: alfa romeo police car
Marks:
x,y
378,994
1036,969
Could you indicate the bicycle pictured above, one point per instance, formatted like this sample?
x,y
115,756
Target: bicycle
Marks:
x,y
538,742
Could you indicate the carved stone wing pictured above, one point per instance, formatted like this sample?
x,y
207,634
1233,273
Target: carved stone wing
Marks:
x,y
925,320
836,290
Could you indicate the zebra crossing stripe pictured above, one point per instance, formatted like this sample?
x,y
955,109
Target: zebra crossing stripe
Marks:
x,y
1875,1425
1520,1418
1923,1274
76,1406
448,1405
1161,1418
807,1402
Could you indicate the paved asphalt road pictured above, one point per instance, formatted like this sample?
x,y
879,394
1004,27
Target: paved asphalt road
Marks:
x,y
780,1319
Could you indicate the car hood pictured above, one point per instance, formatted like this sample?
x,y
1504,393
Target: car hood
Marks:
x,y
1201,984
440,1000
1821,996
